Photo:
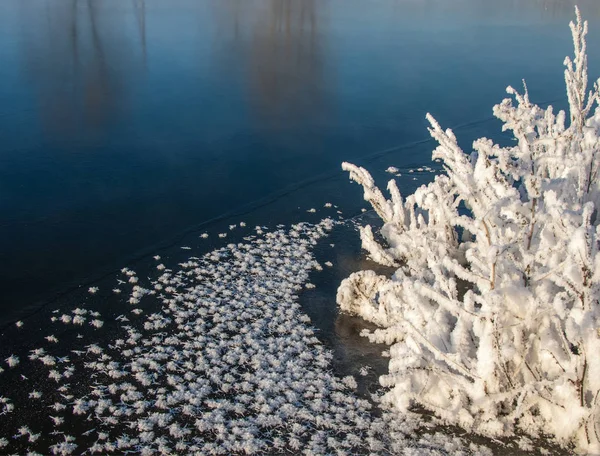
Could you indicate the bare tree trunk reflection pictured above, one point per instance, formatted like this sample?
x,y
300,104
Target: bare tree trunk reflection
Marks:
x,y
277,45
140,12
78,57
73,40
286,63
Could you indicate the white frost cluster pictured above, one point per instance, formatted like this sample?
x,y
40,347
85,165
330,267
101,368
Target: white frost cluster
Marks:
x,y
493,312
227,364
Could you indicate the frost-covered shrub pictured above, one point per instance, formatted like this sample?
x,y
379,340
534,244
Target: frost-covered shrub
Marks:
x,y
492,314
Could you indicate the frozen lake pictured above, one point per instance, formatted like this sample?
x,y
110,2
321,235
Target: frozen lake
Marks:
x,y
125,124
160,291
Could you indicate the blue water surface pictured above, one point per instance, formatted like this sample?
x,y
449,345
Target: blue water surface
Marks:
x,y
124,123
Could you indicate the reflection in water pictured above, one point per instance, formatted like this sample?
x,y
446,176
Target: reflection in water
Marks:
x,y
140,14
556,8
483,11
279,47
78,56
286,65
233,102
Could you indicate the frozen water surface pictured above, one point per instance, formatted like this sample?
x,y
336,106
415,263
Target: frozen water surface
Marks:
x,y
125,123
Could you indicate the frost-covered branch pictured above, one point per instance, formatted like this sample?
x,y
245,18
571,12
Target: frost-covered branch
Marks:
x,y
493,312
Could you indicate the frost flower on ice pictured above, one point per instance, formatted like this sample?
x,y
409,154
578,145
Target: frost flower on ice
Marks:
x,y
12,360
